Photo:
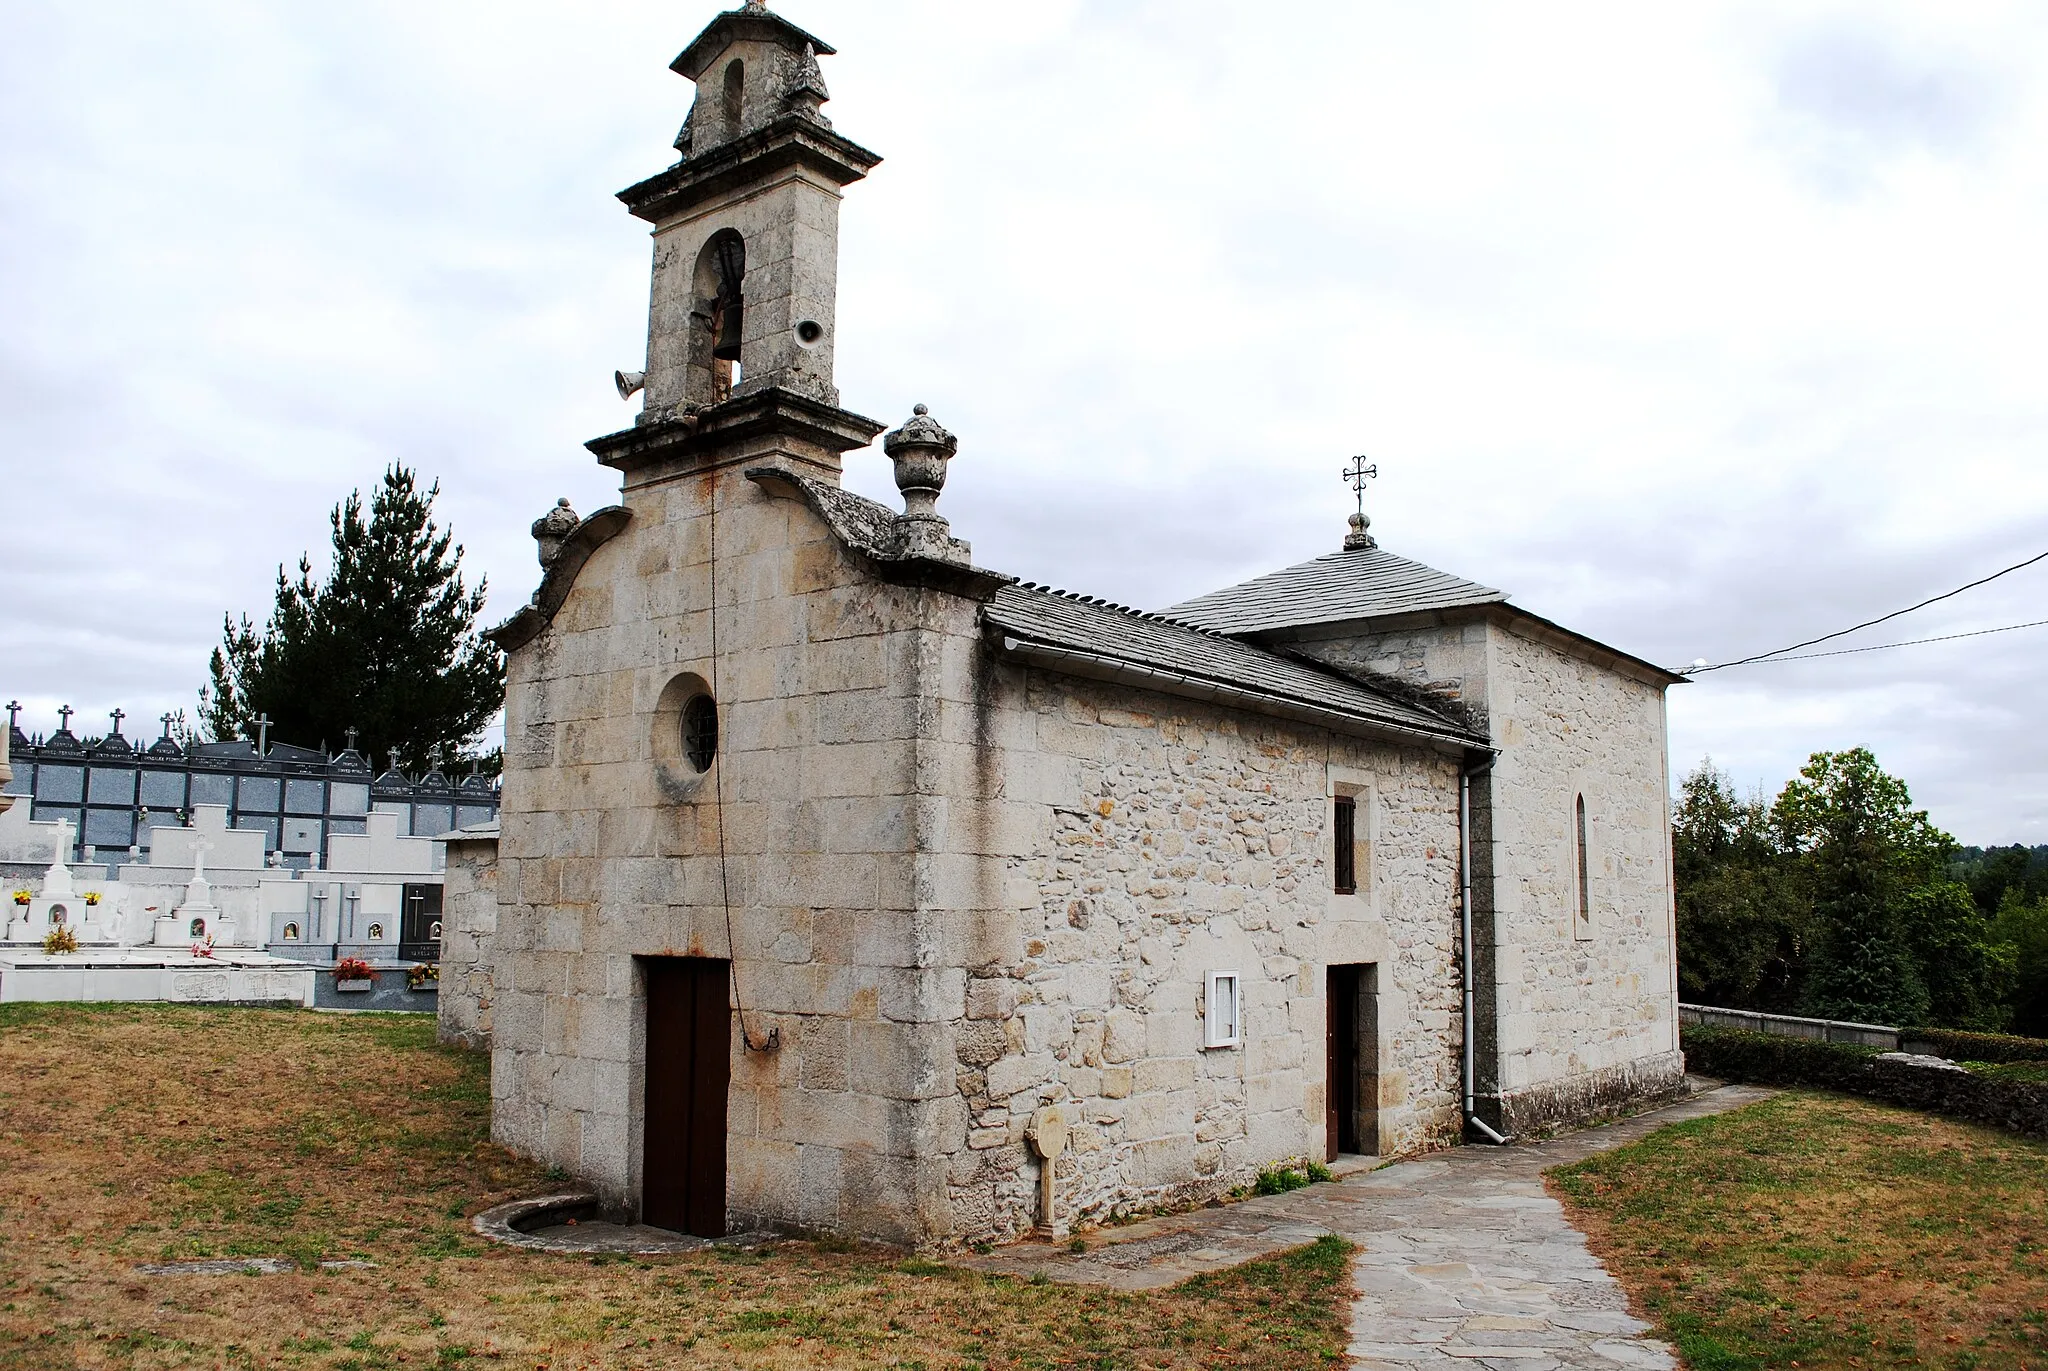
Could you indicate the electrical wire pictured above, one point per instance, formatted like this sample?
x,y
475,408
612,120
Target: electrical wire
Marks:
x,y
732,963
1910,642
1882,618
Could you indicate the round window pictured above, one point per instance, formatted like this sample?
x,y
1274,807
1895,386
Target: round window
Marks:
x,y
700,731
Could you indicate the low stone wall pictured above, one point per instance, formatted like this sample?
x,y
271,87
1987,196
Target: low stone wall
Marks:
x,y
1934,1084
469,924
1790,1026
1940,1086
134,975
1592,1095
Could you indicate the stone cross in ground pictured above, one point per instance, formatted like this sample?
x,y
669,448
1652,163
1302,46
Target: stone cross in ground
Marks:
x,y
1049,1139
200,847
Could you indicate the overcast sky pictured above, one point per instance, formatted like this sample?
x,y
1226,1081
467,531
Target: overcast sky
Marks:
x,y
1701,329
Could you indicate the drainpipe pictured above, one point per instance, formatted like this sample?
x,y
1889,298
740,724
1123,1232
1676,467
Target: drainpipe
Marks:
x,y
1465,775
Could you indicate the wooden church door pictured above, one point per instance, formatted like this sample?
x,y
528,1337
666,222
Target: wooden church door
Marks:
x,y
689,1037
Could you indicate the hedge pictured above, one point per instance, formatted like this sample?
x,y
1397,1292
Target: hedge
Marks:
x,y
2002,1096
1740,1054
1973,1047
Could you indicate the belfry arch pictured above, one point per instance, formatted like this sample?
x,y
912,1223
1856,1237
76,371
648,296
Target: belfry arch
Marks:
x,y
718,320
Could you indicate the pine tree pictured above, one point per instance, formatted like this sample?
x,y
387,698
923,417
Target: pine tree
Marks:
x,y
387,645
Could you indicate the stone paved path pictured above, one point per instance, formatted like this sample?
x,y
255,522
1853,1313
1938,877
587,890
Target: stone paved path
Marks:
x,y
1464,1260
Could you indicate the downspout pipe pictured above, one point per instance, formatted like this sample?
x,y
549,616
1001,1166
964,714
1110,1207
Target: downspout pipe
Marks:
x,y
1470,1073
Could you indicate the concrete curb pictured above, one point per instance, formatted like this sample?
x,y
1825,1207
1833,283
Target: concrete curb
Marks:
x,y
509,1224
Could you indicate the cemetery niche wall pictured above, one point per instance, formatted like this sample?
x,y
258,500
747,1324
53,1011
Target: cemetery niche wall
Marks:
x,y
185,870
112,790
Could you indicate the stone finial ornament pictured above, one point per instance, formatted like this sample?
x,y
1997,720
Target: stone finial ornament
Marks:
x,y
920,450
552,529
1358,539
804,89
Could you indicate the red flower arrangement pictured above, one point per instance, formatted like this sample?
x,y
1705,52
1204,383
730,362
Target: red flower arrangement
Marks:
x,y
353,969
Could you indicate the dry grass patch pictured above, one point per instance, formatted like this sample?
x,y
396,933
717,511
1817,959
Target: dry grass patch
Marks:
x,y
1819,1231
144,1133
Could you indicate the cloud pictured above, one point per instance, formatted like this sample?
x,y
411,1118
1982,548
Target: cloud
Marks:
x,y
1160,274
1852,99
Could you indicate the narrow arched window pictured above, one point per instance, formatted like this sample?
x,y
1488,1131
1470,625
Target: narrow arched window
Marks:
x,y
1585,894
735,95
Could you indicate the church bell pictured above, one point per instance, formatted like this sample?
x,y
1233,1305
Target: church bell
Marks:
x,y
726,328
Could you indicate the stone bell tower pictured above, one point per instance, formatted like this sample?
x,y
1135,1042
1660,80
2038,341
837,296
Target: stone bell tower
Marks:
x,y
742,323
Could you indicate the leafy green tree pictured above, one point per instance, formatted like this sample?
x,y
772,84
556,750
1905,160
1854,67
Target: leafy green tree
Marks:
x,y
1743,929
1963,961
1863,848
387,644
2022,925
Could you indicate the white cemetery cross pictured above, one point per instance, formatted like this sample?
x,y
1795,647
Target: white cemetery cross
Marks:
x,y
58,903
57,880
175,929
1049,1139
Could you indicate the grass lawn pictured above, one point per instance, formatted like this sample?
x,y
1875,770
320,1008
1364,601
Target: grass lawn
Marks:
x,y
1819,1231
144,1133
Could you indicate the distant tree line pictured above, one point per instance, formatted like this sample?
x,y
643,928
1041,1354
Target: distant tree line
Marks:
x,y
1839,900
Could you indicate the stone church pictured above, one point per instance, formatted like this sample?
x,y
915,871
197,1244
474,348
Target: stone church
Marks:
x,y
844,884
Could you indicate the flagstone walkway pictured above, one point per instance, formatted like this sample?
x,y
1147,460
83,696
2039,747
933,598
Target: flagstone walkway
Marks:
x,y
1464,1258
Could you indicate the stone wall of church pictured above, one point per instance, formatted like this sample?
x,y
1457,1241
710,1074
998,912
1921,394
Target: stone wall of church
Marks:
x,y
1584,1013
1141,841
610,851
1587,1007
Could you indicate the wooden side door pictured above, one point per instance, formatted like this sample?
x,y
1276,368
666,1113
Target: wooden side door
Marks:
x,y
1342,1050
689,1039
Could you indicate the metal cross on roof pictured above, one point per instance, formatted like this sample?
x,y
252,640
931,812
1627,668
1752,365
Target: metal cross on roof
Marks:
x,y
117,715
352,734
1356,475
13,714
165,720
262,722
65,714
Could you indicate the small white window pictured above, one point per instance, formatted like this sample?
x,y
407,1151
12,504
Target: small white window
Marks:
x,y
1223,1022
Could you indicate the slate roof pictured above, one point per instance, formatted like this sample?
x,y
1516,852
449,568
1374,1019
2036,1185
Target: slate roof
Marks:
x,y
1365,583
1157,644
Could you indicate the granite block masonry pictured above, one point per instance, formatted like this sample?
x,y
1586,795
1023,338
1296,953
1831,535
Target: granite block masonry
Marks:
x,y
830,861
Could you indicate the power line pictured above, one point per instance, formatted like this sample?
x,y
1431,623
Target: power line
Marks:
x,y
1882,618
1880,647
